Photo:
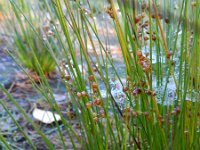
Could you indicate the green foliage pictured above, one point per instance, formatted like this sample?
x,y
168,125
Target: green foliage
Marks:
x,y
141,123
34,37
31,47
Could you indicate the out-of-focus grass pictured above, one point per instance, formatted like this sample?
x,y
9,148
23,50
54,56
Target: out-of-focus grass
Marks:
x,y
142,123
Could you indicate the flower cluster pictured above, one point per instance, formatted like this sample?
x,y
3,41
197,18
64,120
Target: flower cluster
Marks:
x,y
143,61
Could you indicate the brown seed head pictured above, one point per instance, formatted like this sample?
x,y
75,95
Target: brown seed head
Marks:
x,y
148,92
94,69
160,16
147,32
178,109
91,77
89,104
83,93
134,113
71,114
98,102
173,62
95,119
102,114
146,38
153,37
94,85
145,25
169,54
139,53
125,89
79,94
128,78
136,91
77,126
144,6
153,16
67,77
146,114
173,112
194,4
167,20
198,114
153,93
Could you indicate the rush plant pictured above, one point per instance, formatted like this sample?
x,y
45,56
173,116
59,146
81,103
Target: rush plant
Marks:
x,y
156,55
34,38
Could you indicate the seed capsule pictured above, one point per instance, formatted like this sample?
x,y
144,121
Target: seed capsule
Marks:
x,y
169,54
78,126
134,113
143,84
128,78
198,114
71,114
153,37
136,91
102,114
148,92
67,77
83,93
162,121
94,85
153,16
147,32
194,4
146,38
153,93
138,18
91,77
89,104
139,53
145,25
128,109
146,114
147,69
98,102
160,16
167,20
95,119
94,69
178,110
173,112
46,28
144,6
173,62
125,89
79,94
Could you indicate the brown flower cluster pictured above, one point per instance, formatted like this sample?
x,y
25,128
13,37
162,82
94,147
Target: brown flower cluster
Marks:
x,y
109,11
143,61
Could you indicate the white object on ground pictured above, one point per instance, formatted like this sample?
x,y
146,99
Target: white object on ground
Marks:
x,y
46,117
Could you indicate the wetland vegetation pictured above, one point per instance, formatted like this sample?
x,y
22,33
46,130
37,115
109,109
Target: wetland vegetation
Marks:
x,y
107,74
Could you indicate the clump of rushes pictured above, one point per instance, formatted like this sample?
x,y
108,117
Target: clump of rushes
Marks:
x,y
32,49
132,118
